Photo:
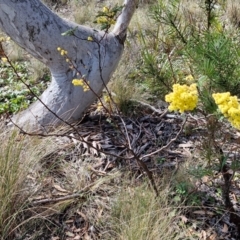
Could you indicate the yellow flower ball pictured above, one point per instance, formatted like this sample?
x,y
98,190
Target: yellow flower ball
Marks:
x,y
4,59
183,98
78,82
105,9
189,78
229,107
90,39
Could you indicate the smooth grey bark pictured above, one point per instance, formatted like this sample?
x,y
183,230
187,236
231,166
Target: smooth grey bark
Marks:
x,y
38,30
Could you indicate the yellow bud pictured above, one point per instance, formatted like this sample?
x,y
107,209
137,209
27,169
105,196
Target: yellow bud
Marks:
x,y
90,38
105,9
112,21
4,59
102,19
189,78
77,82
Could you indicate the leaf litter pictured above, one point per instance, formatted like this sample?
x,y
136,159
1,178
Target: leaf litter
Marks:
x,y
90,178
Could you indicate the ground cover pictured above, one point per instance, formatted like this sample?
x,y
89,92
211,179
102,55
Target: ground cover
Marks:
x,y
85,183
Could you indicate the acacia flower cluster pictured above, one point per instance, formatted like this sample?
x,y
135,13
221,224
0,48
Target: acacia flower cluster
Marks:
x,y
4,59
183,98
90,39
106,17
4,39
229,107
82,83
107,101
189,78
62,51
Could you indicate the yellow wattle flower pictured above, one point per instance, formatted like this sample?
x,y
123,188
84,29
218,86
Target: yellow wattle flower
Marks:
x,y
183,98
78,82
102,19
4,59
105,9
229,107
90,39
189,78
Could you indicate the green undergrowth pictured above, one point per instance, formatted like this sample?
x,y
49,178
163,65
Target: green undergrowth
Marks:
x,y
14,95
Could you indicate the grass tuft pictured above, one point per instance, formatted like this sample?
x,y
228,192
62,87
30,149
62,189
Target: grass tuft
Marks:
x,y
13,174
138,214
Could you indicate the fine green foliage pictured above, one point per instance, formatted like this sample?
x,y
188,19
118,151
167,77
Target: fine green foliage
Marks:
x,y
182,45
215,60
14,95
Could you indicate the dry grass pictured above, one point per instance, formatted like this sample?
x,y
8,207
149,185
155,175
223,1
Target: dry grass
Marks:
x,y
83,12
117,205
137,214
12,194
233,12
22,179
38,70
17,158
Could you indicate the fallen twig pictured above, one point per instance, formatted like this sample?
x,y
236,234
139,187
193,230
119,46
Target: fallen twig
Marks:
x,y
68,197
162,113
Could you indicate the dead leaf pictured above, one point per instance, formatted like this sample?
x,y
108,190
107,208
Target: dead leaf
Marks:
x,y
39,197
55,238
77,237
57,193
185,145
225,228
201,212
82,215
59,188
100,213
129,127
183,218
203,235
69,221
106,146
205,179
70,234
96,146
212,237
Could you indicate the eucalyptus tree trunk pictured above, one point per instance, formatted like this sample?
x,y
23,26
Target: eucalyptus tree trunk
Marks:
x,y
38,30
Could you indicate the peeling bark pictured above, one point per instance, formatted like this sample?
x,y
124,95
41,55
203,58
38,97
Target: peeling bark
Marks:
x,y
38,30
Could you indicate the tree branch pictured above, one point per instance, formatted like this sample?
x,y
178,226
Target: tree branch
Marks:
x,y
120,28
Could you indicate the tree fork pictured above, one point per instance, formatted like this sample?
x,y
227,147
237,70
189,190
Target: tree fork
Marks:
x,y
38,30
